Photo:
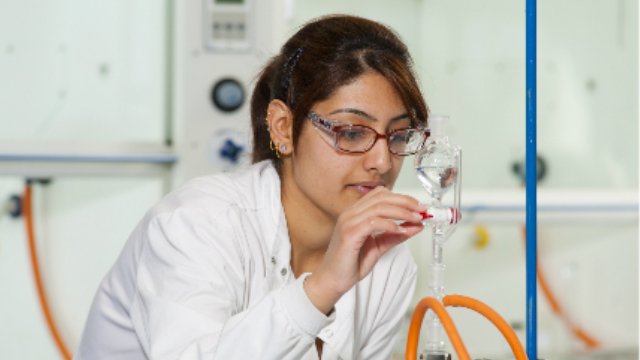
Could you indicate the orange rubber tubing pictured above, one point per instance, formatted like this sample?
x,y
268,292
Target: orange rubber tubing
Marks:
x,y
42,297
411,350
577,331
491,315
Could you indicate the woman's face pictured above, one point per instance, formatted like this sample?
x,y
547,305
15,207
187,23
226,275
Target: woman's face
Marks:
x,y
329,180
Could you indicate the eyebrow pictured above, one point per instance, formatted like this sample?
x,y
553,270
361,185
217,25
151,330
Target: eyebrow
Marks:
x,y
366,115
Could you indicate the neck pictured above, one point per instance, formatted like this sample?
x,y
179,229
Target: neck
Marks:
x,y
309,228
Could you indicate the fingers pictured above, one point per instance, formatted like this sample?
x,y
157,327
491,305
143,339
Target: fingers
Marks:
x,y
402,232
375,247
383,204
383,215
382,194
359,228
363,233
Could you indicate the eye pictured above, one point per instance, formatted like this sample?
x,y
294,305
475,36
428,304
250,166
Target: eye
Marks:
x,y
352,134
401,136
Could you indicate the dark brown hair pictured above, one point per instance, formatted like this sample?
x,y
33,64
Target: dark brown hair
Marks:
x,y
322,56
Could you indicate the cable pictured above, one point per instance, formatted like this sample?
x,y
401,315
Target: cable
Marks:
x,y
491,315
42,297
577,331
411,349
458,301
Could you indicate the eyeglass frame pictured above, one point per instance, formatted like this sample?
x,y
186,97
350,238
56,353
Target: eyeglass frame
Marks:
x,y
332,127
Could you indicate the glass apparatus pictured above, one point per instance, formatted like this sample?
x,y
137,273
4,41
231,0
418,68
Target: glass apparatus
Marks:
x,y
438,167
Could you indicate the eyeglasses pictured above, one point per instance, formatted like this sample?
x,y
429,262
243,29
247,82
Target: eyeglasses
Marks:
x,y
360,138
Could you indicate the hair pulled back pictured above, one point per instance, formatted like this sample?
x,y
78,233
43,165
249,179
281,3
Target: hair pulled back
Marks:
x,y
322,56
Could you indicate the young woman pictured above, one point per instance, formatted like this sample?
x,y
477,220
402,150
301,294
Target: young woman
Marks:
x,y
301,255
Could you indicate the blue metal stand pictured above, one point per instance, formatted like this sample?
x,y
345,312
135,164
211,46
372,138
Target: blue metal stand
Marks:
x,y
531,172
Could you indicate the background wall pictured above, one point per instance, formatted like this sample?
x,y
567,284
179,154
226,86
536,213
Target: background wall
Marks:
x,y
115,72
77,75
470,57
89,70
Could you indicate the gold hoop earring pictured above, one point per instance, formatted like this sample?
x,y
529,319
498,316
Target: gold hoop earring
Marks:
x,y
275,148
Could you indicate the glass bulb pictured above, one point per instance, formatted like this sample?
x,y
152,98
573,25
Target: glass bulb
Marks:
x,y
437,168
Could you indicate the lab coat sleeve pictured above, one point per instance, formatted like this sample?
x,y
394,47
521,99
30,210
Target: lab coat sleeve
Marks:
x,y
400,286
188,304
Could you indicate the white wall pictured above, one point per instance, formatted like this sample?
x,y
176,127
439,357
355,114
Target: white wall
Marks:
x,y
76,73
82,70
470,57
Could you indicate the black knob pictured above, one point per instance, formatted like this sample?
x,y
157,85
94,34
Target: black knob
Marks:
x,y
227,95
519,169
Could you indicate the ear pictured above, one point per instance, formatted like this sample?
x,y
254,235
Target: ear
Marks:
x,y
280,122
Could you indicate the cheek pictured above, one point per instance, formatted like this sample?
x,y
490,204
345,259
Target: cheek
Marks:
x,y
321,174
318,164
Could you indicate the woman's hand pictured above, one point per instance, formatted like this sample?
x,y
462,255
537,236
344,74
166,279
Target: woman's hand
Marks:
x,y
363,233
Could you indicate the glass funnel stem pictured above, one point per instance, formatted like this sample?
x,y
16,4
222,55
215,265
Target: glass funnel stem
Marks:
x,y
435,332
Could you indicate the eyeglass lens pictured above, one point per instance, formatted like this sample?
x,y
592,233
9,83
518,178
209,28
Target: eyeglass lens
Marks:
x,y
361,139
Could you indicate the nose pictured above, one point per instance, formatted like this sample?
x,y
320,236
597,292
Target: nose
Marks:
x,y
379,157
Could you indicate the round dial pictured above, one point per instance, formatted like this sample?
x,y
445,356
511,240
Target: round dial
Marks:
x,y
228,95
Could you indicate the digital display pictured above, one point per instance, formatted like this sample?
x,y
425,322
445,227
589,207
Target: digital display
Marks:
x,y
229,1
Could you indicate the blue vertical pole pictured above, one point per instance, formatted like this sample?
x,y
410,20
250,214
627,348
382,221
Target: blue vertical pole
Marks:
x,y
531,174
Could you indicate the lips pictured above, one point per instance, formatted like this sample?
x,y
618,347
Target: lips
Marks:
x,y
365,187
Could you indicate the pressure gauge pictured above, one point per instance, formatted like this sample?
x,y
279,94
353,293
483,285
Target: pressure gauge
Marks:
x,y
227,95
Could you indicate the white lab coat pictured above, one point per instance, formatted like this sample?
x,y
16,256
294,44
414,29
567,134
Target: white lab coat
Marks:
x,y
206,275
